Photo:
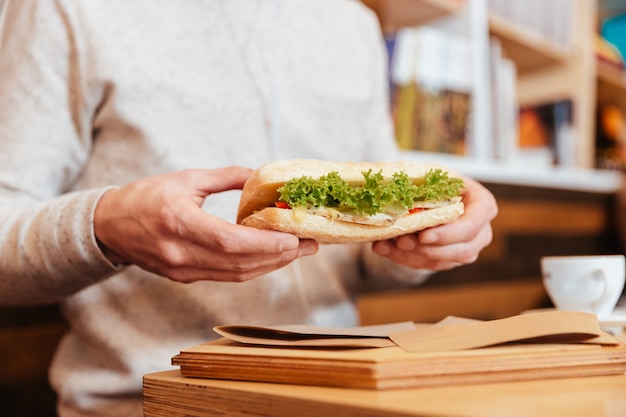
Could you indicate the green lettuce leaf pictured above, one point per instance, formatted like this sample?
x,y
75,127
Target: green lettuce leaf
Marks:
x,y
371,198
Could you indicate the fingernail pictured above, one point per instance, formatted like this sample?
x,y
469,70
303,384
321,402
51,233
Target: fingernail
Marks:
x,y
428,237
382,248
308,249
290,243
407,243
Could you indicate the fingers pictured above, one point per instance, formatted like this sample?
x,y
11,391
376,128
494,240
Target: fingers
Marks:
x,y
157,223
209,248
217,180
480,209
200,264
408,250
231,252
450,245
219,235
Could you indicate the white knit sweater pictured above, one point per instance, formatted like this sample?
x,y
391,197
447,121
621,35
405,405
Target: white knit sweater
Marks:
x,y
97,93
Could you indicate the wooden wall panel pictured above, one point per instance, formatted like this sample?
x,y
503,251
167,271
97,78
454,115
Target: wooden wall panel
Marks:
x,y
506,279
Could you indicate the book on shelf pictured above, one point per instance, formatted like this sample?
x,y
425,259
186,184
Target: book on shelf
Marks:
x,y
546,134
430,76
610,137
504,114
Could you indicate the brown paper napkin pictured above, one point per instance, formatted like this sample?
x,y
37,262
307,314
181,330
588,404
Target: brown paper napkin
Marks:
x,y
315,336
452,333
550,327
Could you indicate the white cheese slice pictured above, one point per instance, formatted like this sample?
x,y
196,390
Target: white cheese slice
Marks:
x,y
387,218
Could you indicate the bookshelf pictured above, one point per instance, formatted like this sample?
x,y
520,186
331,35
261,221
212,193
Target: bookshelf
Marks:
x,y
396,14
573,179
547,210
611,85
546,71
529,50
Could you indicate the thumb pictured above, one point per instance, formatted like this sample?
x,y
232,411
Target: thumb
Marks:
x,y
208,181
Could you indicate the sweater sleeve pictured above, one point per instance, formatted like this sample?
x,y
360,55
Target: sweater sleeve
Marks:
x,y
47,246
48,249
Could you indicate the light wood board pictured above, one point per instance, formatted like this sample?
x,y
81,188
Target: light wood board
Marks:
x,y
169,394
393,367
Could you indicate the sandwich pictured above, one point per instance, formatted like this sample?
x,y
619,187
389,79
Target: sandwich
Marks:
x,y
349,202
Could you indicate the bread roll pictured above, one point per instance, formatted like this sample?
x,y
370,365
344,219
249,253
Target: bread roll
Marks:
x,y
257,205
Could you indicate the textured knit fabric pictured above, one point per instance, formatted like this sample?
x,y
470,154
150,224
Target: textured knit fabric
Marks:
x,y
97,93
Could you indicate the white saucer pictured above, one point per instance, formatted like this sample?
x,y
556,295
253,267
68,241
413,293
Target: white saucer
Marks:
x,y
614,323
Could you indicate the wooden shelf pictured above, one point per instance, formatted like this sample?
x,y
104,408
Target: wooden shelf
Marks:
x,y
611,85
528,49
396,14
549,177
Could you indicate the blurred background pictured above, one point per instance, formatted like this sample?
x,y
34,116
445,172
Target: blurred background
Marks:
x,y
526,96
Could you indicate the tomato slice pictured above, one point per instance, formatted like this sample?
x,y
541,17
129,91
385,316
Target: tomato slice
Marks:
x,y
282,205
416,210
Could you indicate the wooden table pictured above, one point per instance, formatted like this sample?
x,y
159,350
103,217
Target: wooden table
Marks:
x,y
169,394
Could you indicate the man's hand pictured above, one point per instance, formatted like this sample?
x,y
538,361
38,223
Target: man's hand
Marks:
x,y
450,245
157,224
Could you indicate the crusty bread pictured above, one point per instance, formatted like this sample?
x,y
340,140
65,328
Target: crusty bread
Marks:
x,y
325,230
257,205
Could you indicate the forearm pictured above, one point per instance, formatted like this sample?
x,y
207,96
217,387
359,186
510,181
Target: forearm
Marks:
x,y
48,250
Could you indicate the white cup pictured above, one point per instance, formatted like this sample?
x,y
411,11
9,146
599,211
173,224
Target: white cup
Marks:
x,y
591,284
